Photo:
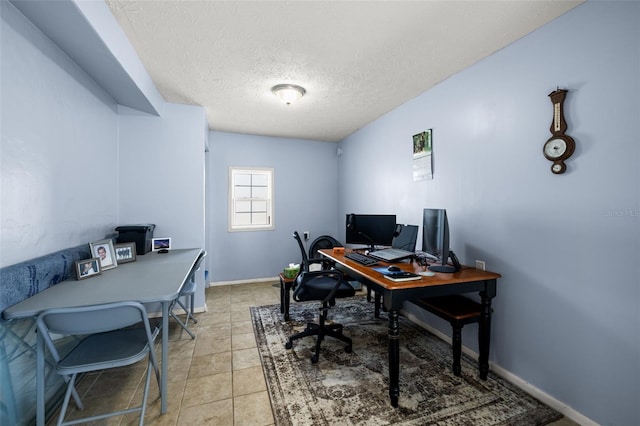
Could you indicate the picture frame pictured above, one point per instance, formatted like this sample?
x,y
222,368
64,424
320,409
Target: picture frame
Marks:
x,y
423,156
88,268
125,252
103,250
422,143
161,244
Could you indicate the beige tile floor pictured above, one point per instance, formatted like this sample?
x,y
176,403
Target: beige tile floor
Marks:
x,y
214,379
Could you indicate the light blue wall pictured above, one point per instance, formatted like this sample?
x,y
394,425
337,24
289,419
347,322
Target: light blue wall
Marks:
x,y
162,163
58,152
567,312
305,183
162,172
75,165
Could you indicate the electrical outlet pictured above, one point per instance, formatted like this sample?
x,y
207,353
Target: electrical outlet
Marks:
x,y
480,265
306,235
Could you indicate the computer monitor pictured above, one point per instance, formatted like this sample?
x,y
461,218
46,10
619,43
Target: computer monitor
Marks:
x,y
435,238
370,229
405,237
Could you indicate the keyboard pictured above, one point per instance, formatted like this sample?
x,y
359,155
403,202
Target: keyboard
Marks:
x,y
360,258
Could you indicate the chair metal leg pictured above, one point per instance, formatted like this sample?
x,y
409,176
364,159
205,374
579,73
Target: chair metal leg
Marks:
x,y
188,309
183,325
153,360
143,407
192,307
67,395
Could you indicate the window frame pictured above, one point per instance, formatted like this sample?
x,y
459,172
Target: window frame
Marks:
x,y
233,222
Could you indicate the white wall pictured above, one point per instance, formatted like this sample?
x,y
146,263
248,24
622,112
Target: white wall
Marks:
x,y
305,184
567,311
58,154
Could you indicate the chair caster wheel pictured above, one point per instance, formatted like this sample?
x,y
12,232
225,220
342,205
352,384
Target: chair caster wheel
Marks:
x,y
348,349
288,345
314,359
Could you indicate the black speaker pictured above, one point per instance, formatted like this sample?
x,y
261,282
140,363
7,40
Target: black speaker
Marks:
x,y
351,221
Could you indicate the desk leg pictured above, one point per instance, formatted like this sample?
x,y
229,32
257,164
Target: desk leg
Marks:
x,y
282,296
285,296
165,357
287,299
39,380
484,335
394,357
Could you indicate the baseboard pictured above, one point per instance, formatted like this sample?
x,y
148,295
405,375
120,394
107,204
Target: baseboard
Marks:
x,y
527,387
251,281
178,311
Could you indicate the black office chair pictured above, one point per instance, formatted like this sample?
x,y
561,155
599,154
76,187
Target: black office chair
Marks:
x,y
327,242
324,285
322,242
314,258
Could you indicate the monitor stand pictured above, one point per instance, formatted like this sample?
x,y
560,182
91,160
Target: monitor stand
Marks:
x,y
442,268
447,268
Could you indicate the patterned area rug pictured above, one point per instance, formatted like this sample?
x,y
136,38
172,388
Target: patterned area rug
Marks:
x,y
352,389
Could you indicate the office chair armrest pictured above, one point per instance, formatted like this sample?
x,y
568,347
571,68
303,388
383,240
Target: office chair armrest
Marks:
x,y
332,273
306,277
339,281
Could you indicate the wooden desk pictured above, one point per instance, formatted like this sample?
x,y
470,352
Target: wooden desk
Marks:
x,y
152,278
467,280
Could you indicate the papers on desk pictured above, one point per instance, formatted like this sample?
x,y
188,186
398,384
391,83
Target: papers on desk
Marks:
x,y
397,276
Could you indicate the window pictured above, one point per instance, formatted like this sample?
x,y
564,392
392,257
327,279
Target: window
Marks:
x,y
250,199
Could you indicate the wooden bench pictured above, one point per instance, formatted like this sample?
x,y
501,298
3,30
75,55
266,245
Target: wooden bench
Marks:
x,y
17,337
459,311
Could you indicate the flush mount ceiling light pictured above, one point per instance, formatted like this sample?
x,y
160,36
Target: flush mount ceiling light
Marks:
x,y
289,93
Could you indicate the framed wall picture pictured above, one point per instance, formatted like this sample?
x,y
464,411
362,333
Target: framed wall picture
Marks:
x,y
422,156
103,250
125,252
88,268
161,245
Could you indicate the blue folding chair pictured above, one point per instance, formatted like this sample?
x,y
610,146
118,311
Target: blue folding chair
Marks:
x,y
188,291
112,342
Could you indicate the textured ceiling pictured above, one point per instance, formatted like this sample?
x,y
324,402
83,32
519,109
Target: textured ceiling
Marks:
x,y
356,59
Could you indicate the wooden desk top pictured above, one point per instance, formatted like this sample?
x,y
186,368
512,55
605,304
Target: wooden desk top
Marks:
x,y
465,275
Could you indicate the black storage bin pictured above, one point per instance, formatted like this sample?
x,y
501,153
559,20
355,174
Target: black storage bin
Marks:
x,y
139,234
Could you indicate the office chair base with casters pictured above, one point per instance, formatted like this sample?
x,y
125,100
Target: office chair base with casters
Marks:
x,y
322,330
